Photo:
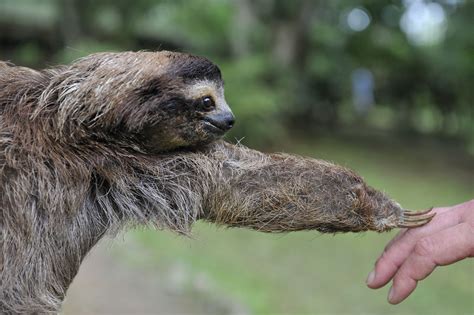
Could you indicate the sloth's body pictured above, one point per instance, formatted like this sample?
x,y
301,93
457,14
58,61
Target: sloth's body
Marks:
x,y
86,149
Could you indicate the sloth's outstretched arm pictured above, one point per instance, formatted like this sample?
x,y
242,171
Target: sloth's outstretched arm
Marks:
x,y
280,193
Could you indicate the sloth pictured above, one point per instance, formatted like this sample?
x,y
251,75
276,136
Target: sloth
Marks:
x,y
116,140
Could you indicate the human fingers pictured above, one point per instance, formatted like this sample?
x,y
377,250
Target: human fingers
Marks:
x,y
443,248
402,245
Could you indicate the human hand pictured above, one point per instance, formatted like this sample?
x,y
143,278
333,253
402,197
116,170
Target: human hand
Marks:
x,y
413,254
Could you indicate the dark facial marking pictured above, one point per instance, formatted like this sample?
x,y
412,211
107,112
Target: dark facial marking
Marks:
x,y
193,68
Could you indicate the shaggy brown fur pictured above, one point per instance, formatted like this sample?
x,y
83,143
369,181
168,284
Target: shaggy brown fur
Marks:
x,y
73,168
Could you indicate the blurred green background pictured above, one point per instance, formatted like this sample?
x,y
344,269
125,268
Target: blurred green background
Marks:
x,y
384,87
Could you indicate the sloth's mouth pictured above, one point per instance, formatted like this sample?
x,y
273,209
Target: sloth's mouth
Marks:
x,y
214,127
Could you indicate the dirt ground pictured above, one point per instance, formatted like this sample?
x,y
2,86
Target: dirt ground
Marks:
x,y
108,283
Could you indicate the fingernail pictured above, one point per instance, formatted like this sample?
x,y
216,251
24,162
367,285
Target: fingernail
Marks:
x,y
371,277
391,294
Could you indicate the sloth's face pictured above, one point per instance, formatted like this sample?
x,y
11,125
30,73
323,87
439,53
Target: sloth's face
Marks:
x,y
184,103
198,114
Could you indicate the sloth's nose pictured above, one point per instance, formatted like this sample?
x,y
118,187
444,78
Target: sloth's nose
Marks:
x,y
223,120
229,121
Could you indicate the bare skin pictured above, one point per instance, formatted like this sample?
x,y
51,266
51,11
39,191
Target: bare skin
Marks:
x,y
413,254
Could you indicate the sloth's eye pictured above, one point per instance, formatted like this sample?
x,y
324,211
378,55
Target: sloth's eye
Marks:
x,y
207,103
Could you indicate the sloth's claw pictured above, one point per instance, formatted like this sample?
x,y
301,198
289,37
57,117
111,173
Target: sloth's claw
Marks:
x,y
414,213
411,219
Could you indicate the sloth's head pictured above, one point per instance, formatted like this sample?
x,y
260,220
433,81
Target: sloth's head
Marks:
x,y
154,101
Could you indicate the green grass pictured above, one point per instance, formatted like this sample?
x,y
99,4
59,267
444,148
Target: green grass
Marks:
x,y
310,273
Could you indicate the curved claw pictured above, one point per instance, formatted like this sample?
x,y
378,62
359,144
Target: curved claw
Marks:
x,y
411,219
414,213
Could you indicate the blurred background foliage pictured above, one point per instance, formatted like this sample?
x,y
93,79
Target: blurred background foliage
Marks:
x,y
382,86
